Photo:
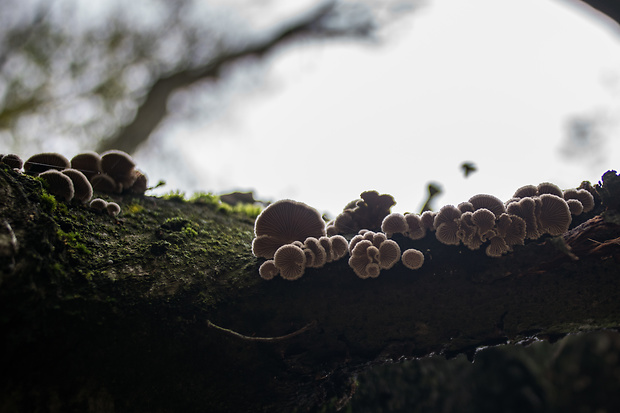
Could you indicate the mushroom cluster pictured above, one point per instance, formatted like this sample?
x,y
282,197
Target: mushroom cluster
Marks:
x,y
364,213
372,252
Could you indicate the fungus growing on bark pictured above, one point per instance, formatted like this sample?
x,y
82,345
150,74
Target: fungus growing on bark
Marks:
x,y
140,184
319,255
282,223
371,252
489,202
361,256
98,204
447,213
89,163
526,191
42,162
365,213
340,247
526,209
83,191
497,247
59,184
554,217
104,183
268,270
549,188
468,232
446,233
415,228
291,261
427,220
394,223
574,206
119,165
583,196
412,258
12,160
389,254
484,220
466,207
113,209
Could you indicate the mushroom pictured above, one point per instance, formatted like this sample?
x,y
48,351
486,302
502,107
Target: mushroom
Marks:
x,y
394,223
360,258
412,258
318,252
415,228
113,209
446,233
515,232
89,163
574,206
83,191
484,220
526,191
59,184
447,213
119,165
489,202
389,254
526,209
367,212
497,247
104,183
340,246
554,216
12,160
291,261
140,184
583,196
466,207
282,223
268,270
549,188
468,232
98,204
428,219
42,162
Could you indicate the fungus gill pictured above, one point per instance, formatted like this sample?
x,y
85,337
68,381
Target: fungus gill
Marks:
x,y
412,258
59,184
42,162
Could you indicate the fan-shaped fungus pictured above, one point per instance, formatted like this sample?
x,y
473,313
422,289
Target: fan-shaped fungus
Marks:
x,y
554,216
549,188
83,191
282,223
526,191
268,270
484,220
497,247
89,163
98,204
574,206
319,253
489,202
12,160
291,261
119,165
446,233
113,209
447,213
104,183
415,228
389,254
394,223
60,185
583,196
412,258
42,162
340,246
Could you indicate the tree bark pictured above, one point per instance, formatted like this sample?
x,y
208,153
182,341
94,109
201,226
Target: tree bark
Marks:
x,y
162,309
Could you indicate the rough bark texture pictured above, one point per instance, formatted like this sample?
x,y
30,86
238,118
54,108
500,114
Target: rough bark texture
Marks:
x,y
162,309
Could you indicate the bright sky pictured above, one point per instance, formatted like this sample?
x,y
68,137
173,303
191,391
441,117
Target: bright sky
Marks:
x,y
487,81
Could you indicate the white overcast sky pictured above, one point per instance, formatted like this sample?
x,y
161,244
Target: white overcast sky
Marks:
x,y
493,82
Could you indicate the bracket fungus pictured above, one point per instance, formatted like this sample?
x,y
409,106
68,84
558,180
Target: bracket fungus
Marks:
x,y
42,162
290,260
371,252
104,183
282,223
83,191
490,202
365,213
89,163
119,165
113,209
412,258
98,204
268,270
394,223
12,160
59,184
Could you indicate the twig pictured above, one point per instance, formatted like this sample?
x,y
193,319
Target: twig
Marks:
x,y
243,337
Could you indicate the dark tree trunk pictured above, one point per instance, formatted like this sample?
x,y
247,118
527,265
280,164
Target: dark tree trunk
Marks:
x,y
162,309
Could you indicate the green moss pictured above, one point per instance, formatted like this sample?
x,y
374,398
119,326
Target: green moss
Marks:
x,y
133,209
48,202
176,196
205,198
73,241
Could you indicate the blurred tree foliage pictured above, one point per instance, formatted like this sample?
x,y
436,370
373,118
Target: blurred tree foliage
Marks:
x,y
100,75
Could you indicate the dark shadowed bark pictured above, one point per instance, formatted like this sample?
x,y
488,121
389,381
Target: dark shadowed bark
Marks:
x,y
163,310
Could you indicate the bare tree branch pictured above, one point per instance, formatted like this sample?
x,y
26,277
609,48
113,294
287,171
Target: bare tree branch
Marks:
x,y
154,107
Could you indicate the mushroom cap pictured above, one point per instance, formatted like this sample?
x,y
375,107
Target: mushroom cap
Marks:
x,y
490,202
83,191
549,188
412,258
98,204
318,251
104,183
118,165
89,163
291,261
447,213
526,209
42,162
527,190
141,182
466,207
468,232
113,209
373,270
574,206
515,233
389,254
340,246
554,216
484,219
446,233
286,221
326,243
583,196
12,160
394,223
428,219
497,247
268,270
60,185
415,228
363,253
